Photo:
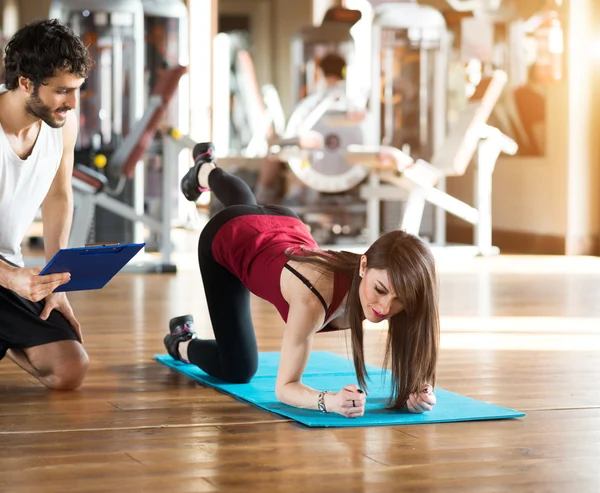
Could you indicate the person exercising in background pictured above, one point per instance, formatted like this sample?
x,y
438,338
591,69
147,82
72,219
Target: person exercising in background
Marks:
x,y
45,65
333,70
268,250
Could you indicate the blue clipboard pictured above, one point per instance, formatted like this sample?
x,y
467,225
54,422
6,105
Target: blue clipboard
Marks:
x,y
91,267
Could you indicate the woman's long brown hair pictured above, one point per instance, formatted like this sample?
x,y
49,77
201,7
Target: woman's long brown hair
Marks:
x,y
413,334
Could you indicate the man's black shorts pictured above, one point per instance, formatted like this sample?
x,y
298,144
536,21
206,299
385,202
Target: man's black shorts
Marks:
x,y
21,326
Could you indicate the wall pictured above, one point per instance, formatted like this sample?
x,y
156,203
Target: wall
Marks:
x,y
288,18
33,10
259,13
16,13
583,164
10,17
273,24
202,29
550,204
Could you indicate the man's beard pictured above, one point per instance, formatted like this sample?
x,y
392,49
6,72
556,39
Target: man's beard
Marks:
x,y
36,107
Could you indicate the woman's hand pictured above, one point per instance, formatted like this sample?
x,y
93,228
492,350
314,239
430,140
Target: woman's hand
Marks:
x,y
423,401
349,402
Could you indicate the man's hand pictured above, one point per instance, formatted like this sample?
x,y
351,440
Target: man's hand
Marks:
x,y
59,302
28,284
421,402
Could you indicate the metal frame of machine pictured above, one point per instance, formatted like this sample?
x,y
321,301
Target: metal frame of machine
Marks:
x,y
87,193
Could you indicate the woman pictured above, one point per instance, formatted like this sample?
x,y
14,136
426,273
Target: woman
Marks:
x,y
268,251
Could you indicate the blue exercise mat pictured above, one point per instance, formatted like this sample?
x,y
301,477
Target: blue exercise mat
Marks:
x,y
332,372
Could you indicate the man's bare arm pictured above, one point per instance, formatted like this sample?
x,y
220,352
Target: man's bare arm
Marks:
x,y
57,208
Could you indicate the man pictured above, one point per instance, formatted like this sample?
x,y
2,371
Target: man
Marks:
x,y
333,73
45,64
530,102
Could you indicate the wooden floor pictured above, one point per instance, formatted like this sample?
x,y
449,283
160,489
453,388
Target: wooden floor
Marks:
x,y
519,332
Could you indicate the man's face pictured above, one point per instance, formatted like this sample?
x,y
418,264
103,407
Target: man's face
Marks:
x,y
50,102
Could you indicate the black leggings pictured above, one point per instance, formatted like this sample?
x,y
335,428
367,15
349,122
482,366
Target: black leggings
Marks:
x,y
233,354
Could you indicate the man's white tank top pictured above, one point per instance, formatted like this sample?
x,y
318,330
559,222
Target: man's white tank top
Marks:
x,y
24,184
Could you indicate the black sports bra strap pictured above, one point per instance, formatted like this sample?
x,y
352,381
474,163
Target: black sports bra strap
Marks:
x,y
308,285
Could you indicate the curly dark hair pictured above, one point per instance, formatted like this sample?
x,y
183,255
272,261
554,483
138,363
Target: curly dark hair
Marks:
x,y
41,49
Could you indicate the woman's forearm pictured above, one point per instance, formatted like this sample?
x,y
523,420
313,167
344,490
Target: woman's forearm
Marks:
x,y
297,394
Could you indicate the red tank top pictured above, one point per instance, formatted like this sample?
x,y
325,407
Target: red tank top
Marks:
x,y
252,248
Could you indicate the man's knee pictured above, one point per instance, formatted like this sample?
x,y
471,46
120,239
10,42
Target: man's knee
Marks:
x,y
68,373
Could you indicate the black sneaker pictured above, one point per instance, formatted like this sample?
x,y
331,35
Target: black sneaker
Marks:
x,y
180,329
202,153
